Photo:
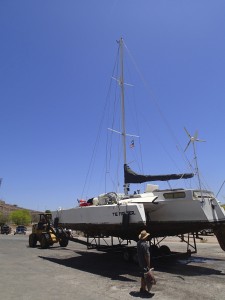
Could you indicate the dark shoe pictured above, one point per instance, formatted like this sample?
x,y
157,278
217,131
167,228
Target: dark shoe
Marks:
x,y
146,294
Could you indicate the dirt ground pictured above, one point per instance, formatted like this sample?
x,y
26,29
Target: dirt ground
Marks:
x,y
77,273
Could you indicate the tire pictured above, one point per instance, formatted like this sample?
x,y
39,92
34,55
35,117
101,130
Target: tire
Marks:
x,y
135,257
63,242
44,242
127,255
154,250
164,250
32,240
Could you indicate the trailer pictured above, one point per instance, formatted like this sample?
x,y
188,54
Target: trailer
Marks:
x,y
128,248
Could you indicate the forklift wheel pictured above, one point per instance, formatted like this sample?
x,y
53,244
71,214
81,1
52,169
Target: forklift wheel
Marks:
x,y
63,242
44,242
32,240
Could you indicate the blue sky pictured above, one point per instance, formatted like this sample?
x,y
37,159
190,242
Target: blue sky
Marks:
x,y
55,67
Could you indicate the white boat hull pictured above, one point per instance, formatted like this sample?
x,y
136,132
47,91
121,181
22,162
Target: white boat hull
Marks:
x,y
179,216
161,217
124,220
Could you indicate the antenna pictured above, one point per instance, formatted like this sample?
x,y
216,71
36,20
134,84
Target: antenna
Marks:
x,y
193,139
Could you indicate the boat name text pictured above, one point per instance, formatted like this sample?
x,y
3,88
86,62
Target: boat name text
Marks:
x,y
121,213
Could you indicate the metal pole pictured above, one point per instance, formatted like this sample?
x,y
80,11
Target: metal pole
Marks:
x,y
126,186
196,166
122,101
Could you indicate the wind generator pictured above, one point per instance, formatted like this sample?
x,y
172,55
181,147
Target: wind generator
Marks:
x,y
193,139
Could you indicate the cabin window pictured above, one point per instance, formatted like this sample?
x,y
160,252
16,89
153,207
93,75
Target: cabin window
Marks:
x,y
203,194
174,195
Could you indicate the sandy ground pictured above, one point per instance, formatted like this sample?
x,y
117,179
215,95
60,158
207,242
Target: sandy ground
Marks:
x,y
77,273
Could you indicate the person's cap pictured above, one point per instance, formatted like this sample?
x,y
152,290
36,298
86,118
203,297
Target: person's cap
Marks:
x,y
143,235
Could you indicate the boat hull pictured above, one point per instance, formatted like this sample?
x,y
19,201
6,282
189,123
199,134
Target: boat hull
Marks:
x,y
161,229
124,221
176,217
165,218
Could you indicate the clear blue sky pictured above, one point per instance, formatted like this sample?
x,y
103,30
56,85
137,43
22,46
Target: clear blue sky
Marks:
x,y
55,65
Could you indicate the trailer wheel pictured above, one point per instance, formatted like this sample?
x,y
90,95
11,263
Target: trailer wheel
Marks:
x,y
164,250
154,250
32,240
44,242
135,257
126,255
63,242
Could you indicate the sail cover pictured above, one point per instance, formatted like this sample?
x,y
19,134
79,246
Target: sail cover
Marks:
x,y
132,177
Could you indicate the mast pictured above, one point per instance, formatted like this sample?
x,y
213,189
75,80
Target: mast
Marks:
x,y
197,169
126,186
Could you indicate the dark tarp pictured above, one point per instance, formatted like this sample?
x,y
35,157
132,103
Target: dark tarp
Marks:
x,y
132,177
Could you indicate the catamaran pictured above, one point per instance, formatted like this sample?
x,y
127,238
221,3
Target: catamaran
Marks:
x,y
162,212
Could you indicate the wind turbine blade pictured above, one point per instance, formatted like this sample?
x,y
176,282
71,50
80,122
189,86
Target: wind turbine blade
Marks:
x,y
187,145
187,133
196,135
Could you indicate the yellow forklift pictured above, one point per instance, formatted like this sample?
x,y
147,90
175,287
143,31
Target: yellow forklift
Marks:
x,y
48,234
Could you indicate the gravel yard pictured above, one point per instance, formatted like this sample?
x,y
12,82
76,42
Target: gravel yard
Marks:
x,y
77,273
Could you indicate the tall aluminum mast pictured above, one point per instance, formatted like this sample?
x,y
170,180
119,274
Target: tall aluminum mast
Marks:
x,y
126,186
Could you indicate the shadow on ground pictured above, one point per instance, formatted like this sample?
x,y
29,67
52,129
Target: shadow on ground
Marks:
x,y
112,265
193,266
105,264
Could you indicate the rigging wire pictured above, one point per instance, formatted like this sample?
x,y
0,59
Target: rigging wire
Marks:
x,y
94,152
110,137
155,102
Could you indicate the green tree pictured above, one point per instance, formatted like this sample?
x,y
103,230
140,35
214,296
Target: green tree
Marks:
x,y
20,217
3,218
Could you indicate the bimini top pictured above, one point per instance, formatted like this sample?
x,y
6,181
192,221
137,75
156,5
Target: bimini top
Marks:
x,y
132,177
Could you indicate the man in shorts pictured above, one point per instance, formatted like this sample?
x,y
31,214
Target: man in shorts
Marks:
x,y
143,258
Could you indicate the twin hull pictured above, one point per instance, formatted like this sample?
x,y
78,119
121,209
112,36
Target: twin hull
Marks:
x,y
160,218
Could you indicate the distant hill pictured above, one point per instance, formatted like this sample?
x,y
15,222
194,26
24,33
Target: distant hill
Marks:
x,y
6,209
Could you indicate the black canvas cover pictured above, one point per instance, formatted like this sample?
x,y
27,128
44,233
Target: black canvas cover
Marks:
x,y
132,177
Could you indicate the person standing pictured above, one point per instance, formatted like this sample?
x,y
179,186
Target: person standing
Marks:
x,y
143,254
